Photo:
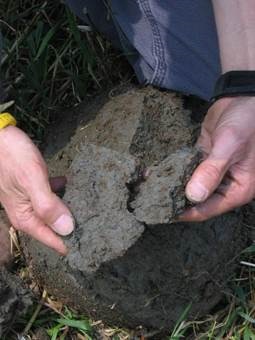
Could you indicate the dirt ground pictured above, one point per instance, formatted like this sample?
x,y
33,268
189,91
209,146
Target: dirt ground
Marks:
x,y
14,299
127,157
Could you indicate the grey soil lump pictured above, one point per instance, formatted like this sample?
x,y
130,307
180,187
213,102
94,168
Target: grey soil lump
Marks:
x,y
161,196
98,195
127,264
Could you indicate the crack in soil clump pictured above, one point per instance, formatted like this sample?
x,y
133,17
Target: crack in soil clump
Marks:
x,y
133,186
127,165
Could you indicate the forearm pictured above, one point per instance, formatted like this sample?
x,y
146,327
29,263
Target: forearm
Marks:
x,y
235,21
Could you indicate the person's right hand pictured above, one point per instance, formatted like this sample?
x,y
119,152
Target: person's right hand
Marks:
x,y
224,180
26,194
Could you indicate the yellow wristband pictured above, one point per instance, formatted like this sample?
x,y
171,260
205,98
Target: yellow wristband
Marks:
x,y
7,119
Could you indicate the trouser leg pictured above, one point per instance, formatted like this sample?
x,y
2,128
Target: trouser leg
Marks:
x,y
170,43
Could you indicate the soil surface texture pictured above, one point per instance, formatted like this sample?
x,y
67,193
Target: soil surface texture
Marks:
x,y
5,245
14,299
128,158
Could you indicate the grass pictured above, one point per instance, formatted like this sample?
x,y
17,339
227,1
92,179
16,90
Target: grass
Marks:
x,y
49,63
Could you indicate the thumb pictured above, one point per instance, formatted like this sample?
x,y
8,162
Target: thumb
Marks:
x,y
205,179
211,171
53,212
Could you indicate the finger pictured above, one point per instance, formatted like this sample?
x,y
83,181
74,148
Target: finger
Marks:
x,y
52,211
57,183
39,231
211,171
205,179
227,198
48,207
214,113
204,144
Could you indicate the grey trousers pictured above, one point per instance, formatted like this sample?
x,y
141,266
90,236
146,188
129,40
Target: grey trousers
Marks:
x,y
170,43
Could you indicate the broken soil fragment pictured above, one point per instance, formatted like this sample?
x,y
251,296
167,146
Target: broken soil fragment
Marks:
x,y
106,167
161,196
98,195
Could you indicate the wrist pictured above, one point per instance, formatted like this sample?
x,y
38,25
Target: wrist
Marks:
x,y
227,101
242,107
11,138
234,84
8,130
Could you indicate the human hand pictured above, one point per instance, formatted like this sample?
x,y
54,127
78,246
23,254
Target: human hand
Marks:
x,y
26,194
226,177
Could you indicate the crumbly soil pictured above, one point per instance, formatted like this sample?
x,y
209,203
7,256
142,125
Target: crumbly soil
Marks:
x,y
128,158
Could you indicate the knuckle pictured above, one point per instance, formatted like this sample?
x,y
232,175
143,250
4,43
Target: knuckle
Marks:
x,y
23,223
233,134
240,195
44,207
30,174
212,171
20,218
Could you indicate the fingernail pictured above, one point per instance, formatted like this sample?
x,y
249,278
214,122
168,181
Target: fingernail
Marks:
x,y
64,225
196,192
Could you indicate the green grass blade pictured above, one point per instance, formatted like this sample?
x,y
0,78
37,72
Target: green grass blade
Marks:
x,y
249,250
247,317
45,42
54,332
83,325
180,328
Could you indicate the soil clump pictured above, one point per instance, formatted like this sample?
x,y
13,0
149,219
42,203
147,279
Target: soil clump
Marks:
x,y
127,163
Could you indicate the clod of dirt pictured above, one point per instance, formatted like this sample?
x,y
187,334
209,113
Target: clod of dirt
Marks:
x,y
98,194
14,299
161,196
127,264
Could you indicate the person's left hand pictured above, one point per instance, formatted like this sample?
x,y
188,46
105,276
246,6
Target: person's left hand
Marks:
x,y
226,177
57,184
